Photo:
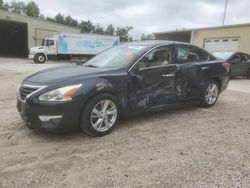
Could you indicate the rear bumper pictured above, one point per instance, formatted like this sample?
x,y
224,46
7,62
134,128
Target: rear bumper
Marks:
x,y
62,117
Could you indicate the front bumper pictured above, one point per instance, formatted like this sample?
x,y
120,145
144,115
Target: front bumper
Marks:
x,y
31,56
60,117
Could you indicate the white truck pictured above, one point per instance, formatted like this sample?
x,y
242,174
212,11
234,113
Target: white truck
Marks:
x,y
67,45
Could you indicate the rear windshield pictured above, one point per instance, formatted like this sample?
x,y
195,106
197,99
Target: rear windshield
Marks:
x,y
223,55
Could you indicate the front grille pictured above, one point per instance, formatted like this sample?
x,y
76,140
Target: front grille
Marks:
x,y
25,90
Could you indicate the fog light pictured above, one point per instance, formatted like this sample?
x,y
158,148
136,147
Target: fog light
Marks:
x,y
48,118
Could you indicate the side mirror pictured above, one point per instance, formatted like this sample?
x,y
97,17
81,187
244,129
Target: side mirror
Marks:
x,y
145,59
235,61
134,71
136,78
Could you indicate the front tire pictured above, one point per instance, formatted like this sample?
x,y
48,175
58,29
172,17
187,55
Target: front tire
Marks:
x,y
40,58
210,94
100,115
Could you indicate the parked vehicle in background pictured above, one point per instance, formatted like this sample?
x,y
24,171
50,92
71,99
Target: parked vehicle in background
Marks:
x,y
66,45
239,62
128,79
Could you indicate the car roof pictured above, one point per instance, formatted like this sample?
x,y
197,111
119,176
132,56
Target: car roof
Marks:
x,y
232,52
225,52
152,43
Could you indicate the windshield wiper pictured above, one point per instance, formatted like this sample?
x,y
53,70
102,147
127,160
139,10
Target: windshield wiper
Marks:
x,y
90,66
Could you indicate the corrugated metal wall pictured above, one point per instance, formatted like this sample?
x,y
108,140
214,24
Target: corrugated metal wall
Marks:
x,y
36,25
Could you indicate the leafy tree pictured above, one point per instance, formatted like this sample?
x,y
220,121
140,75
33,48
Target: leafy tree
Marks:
x,y
99,29
50,19
17,7
110,30
70,21
146,37
59,18
4,6
87,27
1,4
143,37
41,17
123,33
150,37
32,9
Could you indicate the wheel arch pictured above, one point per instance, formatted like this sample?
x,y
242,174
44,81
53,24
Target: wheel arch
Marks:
x,y
218,80
38,53
89,98
103,92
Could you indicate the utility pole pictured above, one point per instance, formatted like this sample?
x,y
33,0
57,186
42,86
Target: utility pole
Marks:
x,y
225,12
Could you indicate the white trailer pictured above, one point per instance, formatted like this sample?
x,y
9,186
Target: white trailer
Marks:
x,y
66,46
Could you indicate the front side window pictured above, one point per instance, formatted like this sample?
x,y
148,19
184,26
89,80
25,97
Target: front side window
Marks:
x,y
50,42
155,58
185,54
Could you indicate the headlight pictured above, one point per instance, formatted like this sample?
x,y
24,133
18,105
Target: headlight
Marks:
x,y
60,94
32,52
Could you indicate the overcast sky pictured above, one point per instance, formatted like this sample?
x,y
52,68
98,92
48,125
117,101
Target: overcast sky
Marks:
x,y
148,16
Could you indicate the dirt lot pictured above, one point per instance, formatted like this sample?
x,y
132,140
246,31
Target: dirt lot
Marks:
x,y
190,147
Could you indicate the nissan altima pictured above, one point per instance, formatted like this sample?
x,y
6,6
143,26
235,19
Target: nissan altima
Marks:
x,y
129,79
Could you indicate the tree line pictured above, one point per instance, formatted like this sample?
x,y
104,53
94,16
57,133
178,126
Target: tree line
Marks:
x,y
31,9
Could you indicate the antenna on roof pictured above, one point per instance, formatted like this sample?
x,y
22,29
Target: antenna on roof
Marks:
x,y
225,12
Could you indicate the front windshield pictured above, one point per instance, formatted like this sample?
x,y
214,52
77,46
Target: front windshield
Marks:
x,y
116,57
223,55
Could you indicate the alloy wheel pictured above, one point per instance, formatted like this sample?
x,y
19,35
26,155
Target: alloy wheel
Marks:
x,y
211,94
103,115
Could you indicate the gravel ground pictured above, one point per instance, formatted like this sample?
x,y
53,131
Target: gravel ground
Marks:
x,y
188,147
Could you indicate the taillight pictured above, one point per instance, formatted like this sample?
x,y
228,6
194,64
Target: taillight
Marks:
x,y
226,66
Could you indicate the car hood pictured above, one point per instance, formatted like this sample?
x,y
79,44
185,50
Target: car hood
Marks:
x,y
37,48
65,73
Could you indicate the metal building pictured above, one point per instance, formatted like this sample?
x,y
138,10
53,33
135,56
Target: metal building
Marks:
x,y
19,33
221,38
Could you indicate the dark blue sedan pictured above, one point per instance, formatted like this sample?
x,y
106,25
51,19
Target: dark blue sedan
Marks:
x,y
129,79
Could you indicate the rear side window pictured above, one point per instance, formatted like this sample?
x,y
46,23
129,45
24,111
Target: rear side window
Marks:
x,y
236,57
186,54
244,57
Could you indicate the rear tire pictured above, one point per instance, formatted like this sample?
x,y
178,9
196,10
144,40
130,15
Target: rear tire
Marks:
x,y
100,116
40,58
209,94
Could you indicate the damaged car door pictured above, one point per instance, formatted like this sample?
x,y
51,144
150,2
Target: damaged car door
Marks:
x,y
152,80
193,67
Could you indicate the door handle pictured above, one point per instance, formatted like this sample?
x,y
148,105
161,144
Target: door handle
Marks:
x,y
204,68
168,75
